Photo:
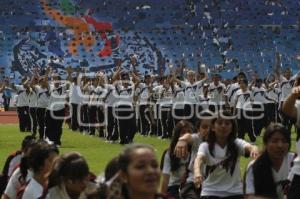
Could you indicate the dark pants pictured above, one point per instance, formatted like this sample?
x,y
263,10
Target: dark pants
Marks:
x,y
40,113
92,119
101,121
112,124
126,120
54,125
286,120
24,118
271,113
245,124
33,119
144,120
75,117
84,118
6,102
173,192
259,118
165,121
294,191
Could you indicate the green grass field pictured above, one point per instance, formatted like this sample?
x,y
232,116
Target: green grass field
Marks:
x,y
95,150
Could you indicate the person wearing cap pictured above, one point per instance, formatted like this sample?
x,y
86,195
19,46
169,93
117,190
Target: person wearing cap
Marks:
x,y
55,112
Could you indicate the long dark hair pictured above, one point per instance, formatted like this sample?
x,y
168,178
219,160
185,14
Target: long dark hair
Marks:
x,y
70,166
232,151
264,184
183,125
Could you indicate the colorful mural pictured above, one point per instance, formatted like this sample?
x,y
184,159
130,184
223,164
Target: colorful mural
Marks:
x,y
227,36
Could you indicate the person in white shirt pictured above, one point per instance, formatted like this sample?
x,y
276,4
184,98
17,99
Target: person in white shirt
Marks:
x,y
41,159
70,178
55,112
216,91
43,96
258,105
87,88
174,168
191,92
221,156
23,105
164,103
243,110
267,176
125,107
75,100
291,107
272,100
143,94
33,105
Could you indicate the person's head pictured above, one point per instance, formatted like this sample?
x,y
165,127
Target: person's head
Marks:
x,y
277,141
241,76
203,124
73,171
259,83
201,75
102,80
27,142
223,129
56,80
216,78
147,79
140,171
111,168
41,158
191,76
243,84
287,73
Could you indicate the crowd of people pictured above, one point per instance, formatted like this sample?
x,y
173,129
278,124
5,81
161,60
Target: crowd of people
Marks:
x,y
205,120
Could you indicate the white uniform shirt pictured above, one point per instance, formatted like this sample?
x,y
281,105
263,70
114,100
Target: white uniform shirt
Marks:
x,y
286,86
216,93
143,93
191,91
243,99
230,93
220,182
32,99
14,184
111,97
281,175
259,95
34,190
125,96
57,98
43,97
165,95
176,176
75,94
14,163
272,94
23,97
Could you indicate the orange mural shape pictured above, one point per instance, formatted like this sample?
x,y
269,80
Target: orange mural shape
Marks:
x,y
80,29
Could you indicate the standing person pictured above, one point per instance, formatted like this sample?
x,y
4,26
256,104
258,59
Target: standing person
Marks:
x,y
92,106
33,105
272,100
125,108
6,94
221,156
55,113
243,99
23,104
84,110
75,100
291,107
43,96
41,159
144,91
267,176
